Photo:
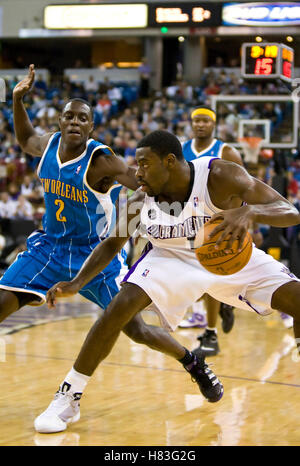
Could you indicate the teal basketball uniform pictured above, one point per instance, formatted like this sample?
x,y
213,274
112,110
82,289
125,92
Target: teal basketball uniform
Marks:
x,y
76,218
213,150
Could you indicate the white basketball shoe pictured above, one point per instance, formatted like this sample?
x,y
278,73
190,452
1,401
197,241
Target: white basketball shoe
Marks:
x,y
63,410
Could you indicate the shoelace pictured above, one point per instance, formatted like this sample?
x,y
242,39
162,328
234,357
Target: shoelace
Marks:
x,y
60,400
206,371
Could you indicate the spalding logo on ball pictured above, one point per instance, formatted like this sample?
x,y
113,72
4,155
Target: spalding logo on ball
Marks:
x,y
219,262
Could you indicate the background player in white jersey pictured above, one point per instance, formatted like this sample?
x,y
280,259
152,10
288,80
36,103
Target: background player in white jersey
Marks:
x,y
78,175
204,144
168,273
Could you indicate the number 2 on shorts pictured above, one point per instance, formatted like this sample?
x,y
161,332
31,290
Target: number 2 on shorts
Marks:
x,y
61,205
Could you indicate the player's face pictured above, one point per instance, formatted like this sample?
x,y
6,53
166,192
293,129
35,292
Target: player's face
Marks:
x,y
152,173
203,126
76,123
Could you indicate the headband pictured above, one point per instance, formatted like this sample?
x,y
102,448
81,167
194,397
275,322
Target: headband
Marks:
x,y
204,111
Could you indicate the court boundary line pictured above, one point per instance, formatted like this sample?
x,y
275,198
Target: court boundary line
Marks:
x,y
246,379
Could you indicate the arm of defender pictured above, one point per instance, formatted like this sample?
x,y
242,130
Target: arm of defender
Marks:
x,y
28,139
103,254
263,203
116,167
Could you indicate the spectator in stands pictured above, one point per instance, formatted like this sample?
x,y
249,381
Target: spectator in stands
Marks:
x,y
27,187
40,83
24,209
129,152
293,186
103,107
7,206
91,85
42,126
212,88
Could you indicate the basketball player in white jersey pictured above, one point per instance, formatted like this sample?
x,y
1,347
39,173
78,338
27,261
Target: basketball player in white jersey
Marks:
x,y
82,179
175,200
204,144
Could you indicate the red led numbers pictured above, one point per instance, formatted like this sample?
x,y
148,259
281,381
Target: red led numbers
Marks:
x,y
263,66
287,69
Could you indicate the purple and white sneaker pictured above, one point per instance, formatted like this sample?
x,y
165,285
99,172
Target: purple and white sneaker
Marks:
x,y
287,320
196,320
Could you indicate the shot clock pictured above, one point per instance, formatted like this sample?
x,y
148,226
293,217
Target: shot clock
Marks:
x,y
267,60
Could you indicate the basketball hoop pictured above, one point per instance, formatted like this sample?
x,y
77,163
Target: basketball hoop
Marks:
x,y
251,147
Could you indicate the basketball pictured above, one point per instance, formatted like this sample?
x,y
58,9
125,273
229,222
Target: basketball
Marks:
x,y
219,262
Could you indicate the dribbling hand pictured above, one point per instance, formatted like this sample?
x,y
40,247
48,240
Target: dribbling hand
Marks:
x,y
234,223
60,290
24,86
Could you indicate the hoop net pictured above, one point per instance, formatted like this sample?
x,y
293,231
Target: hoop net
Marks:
x,y
251,147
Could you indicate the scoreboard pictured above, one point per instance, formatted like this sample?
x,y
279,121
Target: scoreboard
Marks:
x,y
267,60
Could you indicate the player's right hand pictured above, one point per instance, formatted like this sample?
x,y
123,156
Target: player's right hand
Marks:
x,y
24,86
60,290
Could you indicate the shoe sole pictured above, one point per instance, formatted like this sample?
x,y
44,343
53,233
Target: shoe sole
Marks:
x,y
71,421
192,326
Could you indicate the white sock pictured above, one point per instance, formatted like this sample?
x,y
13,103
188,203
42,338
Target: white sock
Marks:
x,y
212,329
77,381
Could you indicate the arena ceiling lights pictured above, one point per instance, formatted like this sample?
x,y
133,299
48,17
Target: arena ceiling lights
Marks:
x,y
96,16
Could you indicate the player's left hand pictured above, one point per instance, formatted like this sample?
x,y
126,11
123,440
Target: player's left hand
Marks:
x,y
234,223
60,290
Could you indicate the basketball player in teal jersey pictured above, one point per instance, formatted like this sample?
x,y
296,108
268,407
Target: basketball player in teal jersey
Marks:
x,y
78,176
204,144
168,273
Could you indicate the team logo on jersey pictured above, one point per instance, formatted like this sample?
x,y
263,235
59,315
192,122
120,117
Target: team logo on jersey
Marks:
x,y
78,169
151,214
145,273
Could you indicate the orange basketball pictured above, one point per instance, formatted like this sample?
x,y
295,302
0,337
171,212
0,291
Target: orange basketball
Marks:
x,y
217,260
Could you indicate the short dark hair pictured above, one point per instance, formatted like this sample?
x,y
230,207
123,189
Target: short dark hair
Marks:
x,y
78,99
162,143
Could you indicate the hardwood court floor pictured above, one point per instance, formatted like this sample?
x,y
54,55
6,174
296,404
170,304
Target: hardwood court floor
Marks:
x,y
140,397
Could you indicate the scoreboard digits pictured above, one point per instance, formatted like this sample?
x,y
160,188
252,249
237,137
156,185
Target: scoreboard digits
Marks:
x,y
267,61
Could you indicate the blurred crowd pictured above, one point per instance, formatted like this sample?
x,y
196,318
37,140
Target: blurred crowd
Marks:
x,y
122,116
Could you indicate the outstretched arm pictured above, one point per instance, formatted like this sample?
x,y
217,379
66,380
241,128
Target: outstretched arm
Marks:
x,y
103,254
29,140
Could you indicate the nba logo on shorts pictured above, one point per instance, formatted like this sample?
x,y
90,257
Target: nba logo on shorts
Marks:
x,y
145,273
196,201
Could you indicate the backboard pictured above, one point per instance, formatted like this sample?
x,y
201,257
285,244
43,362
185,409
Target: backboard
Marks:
x,y
274,118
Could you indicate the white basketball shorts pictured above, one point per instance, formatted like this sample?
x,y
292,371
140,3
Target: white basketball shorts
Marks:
x,y
174,280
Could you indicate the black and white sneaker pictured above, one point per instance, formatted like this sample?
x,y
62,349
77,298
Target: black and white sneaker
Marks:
x,y
209,384
209,345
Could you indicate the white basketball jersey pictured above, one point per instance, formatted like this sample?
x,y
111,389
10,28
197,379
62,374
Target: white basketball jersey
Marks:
x,y
172,226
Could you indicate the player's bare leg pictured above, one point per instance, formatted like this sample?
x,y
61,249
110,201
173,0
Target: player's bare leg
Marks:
x,y
98,344
104,333
209,345
287,299
11,302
